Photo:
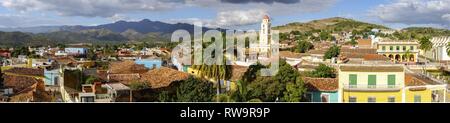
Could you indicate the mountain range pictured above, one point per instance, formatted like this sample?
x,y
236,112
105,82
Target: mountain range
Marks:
x,y
156,31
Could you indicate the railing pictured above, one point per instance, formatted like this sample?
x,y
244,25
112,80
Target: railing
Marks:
x,y
366,87
102,98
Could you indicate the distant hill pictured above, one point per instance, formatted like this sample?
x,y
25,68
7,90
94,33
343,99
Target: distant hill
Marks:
x,y
120,31
427,31
330,24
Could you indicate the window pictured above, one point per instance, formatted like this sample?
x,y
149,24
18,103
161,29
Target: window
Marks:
x,y
417,98
383,48
411,47
371,99
391,47
391,99
56,81
372,81
404,48
353,80
87,99
352,99
397,48
391,81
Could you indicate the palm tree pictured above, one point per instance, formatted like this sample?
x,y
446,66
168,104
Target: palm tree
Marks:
x,y
448,49
407,55
425,44
216,72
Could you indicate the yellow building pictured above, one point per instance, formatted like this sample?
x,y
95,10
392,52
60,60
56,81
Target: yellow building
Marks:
x,y
371,83
422,89
396,50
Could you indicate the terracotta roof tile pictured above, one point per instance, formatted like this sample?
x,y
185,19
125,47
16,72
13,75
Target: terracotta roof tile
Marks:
x,y
289,54
321,84
238,72
375,57
416,80
372,68
364,42
19,83
126,67
26,71
124,78
359,50
163,77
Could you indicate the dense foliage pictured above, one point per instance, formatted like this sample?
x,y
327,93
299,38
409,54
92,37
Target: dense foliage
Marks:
x,y
334,51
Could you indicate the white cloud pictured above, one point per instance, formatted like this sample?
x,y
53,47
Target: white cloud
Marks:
x,y
229,12
118,17
109,8
90,8
228,19
412,12
8,20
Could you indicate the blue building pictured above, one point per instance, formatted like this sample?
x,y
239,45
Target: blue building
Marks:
x,y
76,51
52,77
322,89
149,63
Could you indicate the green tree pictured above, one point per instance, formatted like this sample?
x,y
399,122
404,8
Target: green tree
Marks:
x,y
137,85
89,79
164,96
323,71
216,72
425,44
407,55
334,51
353,42
294,91
194,90
303,46
270,89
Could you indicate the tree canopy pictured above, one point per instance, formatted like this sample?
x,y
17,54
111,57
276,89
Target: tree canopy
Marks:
x,y
334,51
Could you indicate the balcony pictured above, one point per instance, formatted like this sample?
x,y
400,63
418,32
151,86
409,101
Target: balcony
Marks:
x,y
378,88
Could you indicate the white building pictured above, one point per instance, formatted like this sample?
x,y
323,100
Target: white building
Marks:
x,y
265,36
439,50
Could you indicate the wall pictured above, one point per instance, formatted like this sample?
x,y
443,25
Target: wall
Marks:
x,y
425,95
316,96
380,96
50,77
149,63
80,51
381,78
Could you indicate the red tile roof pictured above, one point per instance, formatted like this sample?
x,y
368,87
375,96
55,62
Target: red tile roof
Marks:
x,y
416,80
126,67
375,57
321,84
237,72
124,78
20,83
26,71
163,77
364,42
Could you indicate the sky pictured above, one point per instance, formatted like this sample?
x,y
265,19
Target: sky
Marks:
x,y
234,14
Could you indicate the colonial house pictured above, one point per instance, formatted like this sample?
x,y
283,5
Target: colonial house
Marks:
x,y
24,85
423,89
371,83
322,89
399,50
